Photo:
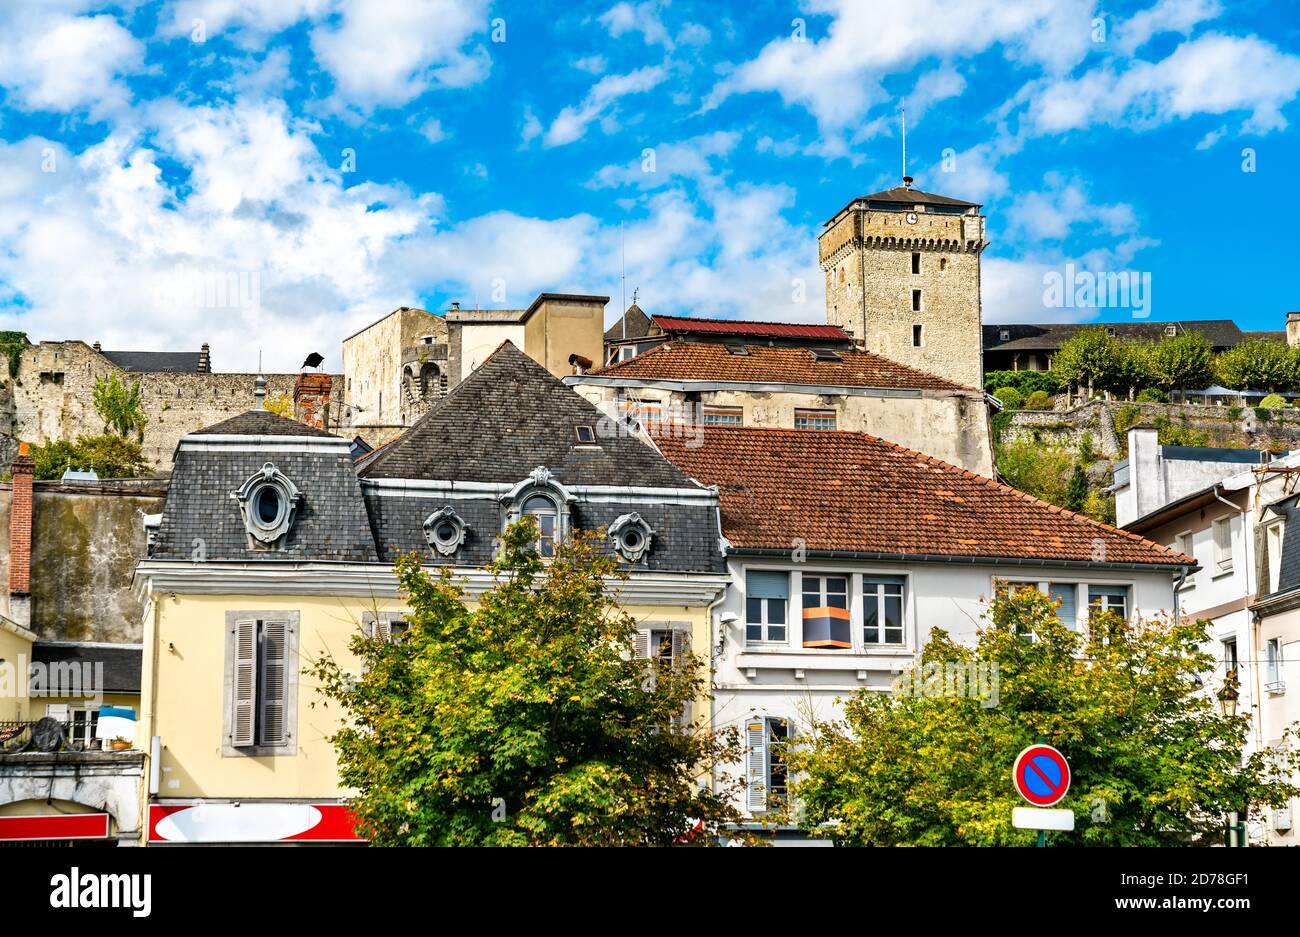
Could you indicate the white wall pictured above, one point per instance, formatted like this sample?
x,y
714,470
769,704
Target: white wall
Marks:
x,y
950,596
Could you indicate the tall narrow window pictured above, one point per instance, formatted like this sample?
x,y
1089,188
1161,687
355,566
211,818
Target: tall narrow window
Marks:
x,y
766,595
766,775
542,509
1274,546
1230,661
916,263
1223,545
778,738
916,336
916,300
826,612
1273,666
882,610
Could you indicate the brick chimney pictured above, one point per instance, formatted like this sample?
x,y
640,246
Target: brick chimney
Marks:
x,y
205,360
311,399
20,539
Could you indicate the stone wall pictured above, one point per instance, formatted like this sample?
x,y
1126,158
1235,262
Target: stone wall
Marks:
x,y
376,362
53,398
1220,425
86,541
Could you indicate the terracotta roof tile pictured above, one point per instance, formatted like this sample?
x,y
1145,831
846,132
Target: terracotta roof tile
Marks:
x,y
686,325
850,492
706,361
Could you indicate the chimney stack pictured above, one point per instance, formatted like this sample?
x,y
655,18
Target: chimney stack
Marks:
x,y
97,347
20,539
205,360
259,393
311,399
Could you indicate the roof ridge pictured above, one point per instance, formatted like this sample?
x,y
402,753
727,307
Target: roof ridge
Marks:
x,y
821,325
984,479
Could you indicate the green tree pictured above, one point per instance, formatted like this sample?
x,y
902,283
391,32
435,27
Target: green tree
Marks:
x,y
1180,362
109,455
1256,364
120,407
525,720
1154,760
1089,358
1076,491
1042,471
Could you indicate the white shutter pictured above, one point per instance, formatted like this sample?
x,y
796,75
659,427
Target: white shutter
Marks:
x,y
275,664
245,683
57,711
641,647
756,765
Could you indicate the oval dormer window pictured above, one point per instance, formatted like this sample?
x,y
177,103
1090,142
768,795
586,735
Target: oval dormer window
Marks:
x,y
268,506
268,502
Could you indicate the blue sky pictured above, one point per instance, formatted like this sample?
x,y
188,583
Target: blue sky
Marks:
x,y
333,159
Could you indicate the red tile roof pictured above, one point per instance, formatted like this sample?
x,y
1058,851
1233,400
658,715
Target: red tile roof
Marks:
x,y
706,361
850,492
685,324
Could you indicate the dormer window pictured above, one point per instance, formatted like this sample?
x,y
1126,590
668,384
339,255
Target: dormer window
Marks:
x,y
268,502
631,537
445,531
547,515
1004,335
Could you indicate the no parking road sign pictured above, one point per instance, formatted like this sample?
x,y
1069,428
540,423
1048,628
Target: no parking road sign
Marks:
x,y
1041,775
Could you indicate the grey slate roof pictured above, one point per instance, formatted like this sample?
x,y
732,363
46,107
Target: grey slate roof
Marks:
x,y
121,663
1220,333
638,325
167,362
331,521
901,195
507,418
261,423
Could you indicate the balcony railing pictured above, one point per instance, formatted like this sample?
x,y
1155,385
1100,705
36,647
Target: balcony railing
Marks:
x,y
48,735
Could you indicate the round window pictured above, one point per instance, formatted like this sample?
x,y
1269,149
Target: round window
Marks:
x,y
268,506
632,539
445,532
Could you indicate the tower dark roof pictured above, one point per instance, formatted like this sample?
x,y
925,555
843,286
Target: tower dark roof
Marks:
x,y
157,362
637,325
511,416
900,198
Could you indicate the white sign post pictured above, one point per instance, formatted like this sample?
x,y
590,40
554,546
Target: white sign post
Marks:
x,y
1039,818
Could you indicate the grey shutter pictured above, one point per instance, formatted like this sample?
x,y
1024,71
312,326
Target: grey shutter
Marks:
x,y
275,665
681,643
756,765
245,683
641,647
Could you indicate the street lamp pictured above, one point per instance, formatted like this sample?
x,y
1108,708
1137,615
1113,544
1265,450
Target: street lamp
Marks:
x,y
1227,697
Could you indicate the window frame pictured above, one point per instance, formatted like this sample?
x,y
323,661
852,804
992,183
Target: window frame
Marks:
x,y
709,410
1223,552
880,598
1045,587
555,536
289,745
824,596
764,624
809,416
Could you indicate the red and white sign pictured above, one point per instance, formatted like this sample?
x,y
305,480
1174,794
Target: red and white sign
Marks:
x,y
1041,775
54,826
251,823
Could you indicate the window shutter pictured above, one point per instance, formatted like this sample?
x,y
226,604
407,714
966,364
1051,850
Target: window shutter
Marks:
x,y
245,683
756,765
641,648
57,711
275,663
381,628
681,644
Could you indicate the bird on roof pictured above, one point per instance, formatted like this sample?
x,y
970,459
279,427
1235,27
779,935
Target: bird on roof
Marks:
x,y
314,360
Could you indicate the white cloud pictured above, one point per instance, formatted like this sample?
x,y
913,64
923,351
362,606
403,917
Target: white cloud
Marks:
x,y
641,18
572,122
388,53
837,76
687,159
1056,211
246,22
1176,16
53,61
591,64
1213,74
432,130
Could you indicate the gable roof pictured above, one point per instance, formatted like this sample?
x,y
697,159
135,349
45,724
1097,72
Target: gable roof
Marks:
x,y
705,361
261,423
1220,333
164,362
685,325
507,418
632,324
854,493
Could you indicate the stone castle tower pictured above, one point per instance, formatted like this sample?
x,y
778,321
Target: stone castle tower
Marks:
x,y
903,276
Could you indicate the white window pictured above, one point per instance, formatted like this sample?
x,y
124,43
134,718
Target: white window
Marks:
x,y
766,741
766,596
543,510
666,644
723,416
826,611
1223,545
1274,546
882,610
814,419
1273,667
1108,599
1184,544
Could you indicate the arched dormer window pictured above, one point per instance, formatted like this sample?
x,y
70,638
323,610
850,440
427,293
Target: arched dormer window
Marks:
x,y
543,498
268,503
